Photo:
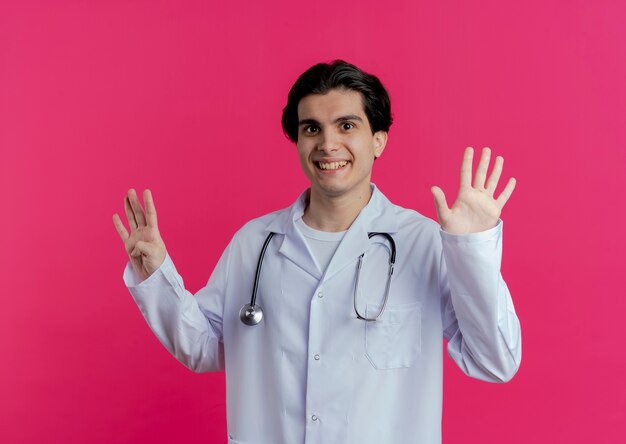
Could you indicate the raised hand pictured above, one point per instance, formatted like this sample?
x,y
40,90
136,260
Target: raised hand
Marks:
x,y
475,208
144,245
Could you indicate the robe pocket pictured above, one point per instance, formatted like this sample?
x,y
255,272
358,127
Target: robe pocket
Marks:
x,y
394,340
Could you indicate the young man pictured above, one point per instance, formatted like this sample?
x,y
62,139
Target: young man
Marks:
x,y
347,345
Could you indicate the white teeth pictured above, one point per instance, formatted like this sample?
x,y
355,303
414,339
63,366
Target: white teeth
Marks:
x,y
332,165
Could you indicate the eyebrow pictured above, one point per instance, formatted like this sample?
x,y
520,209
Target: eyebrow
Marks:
x,y
337,120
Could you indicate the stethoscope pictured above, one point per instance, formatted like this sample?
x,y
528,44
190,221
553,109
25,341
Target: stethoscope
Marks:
x,y
252,314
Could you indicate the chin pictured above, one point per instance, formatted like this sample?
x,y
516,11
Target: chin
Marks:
x,y
329,190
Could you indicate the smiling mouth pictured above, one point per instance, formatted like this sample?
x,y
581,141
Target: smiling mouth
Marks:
x,y
331,165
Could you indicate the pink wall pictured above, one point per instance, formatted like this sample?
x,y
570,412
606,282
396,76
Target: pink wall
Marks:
x,y
97,97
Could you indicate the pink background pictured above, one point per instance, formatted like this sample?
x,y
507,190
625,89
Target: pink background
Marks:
x,y
185,98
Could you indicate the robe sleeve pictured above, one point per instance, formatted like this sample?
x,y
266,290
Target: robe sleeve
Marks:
x,y
479,320
190,327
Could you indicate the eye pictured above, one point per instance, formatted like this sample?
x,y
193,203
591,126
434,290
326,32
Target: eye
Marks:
x,y
311,129
347,126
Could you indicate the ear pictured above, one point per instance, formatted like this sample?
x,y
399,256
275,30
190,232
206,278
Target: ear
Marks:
x,y
380,141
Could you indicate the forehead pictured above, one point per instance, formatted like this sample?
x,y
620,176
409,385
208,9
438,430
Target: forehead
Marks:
x,y
334,103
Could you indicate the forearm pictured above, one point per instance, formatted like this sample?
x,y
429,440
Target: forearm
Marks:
x,y
485,336
176,319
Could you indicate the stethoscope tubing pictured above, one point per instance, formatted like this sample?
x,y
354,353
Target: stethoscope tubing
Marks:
x,y
257,275
252,314
392,262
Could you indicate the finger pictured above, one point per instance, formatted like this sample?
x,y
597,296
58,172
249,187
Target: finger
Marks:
x,y
492,182
136,206
441,205
130,215
145,249
141,248
119,226
466,167
506,193
481,170
151,214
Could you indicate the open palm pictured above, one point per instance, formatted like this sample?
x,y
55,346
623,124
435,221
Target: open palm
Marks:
x,y
144,245
475,208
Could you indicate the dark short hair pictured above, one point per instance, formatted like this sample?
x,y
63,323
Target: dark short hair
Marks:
x,y
324,77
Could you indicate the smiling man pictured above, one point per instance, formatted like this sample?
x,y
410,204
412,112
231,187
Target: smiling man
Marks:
x,y
329,316
337,148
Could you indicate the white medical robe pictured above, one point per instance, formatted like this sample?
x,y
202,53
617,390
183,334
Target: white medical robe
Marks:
x,y
311,372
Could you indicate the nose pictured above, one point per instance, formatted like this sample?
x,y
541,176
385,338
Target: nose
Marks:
x,y
329,141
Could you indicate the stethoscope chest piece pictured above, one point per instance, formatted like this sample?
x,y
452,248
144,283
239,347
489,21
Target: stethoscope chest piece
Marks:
x,y
251,314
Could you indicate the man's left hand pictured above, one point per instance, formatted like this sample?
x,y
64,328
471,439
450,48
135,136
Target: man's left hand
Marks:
x,y
475,208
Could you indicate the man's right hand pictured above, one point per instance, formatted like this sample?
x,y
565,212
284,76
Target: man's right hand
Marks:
x,y
144,245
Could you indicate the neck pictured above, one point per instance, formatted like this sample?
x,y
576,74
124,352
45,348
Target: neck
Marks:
x,y
332,214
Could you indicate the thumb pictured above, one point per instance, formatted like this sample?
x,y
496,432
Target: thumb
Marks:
x,y
148,256
142,249
441,205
